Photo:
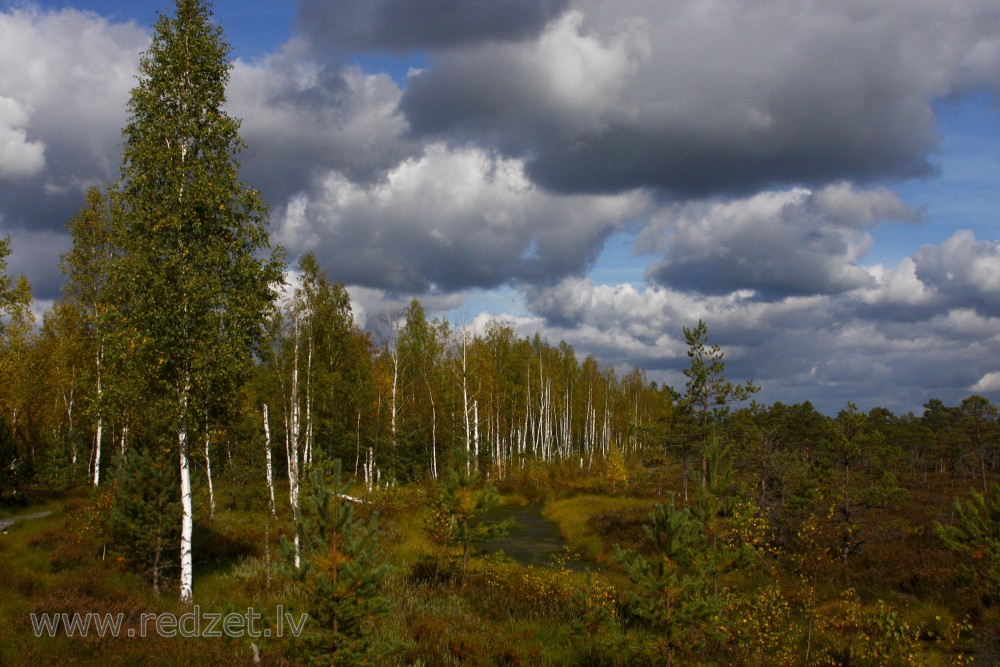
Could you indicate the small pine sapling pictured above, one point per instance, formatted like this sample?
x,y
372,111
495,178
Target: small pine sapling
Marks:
x,y
457,517
343,567
145,519
673,585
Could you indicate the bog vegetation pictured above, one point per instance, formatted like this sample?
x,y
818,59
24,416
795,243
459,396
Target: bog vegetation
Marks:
x,y
202,442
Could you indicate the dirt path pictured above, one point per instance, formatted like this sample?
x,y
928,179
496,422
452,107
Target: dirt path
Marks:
x,y
10,521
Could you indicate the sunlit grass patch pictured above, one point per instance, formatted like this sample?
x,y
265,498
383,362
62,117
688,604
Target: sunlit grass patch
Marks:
x,y
573,515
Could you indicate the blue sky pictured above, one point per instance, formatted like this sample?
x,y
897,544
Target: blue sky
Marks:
x,y
817,181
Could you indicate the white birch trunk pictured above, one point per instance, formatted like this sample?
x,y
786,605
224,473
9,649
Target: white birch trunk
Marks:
x,y
208,475
267,451
68,402
309,424
607,423
187,516
293,452
357,451
370,470
465,406
434,464
527,417
100,423
395,382
475,433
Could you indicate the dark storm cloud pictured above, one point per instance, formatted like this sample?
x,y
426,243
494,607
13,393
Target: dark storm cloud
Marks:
x,y
36,254
614,96
417,25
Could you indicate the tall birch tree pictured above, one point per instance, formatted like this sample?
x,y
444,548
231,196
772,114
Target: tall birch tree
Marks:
x,y
191,237
86,267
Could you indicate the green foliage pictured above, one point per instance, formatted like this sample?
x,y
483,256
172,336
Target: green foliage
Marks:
x,y
331,361
851,632
861,480
15,301
708,394
712,505
145,517
18,380
83,318
979,425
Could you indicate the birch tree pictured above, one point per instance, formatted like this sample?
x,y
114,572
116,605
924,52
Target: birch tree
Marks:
x,y
421,349
190,236
16,326
86,267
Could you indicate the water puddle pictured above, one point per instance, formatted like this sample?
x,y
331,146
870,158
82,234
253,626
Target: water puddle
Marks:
x,y
533,540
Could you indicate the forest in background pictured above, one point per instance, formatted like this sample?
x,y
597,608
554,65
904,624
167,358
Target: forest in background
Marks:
x,y
197,435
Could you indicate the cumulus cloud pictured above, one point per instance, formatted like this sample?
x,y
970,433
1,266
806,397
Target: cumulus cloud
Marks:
x,y
822,348
988,383
521,97
448,220
18,156
693,101
64,83
302,118
406,25
776,242
963,270
744,139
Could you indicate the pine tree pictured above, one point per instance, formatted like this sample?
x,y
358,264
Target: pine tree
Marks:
x,y
343,567
712,504
457,516
708,394
673,587
144,521
976,535
190,236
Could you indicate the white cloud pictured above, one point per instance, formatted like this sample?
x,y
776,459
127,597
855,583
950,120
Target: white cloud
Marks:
x,y
744,129
776,242
448,220
963,269
988,383
897,286
18,156
897,342
65,77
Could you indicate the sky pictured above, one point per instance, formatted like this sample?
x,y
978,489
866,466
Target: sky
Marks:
x,y
817,181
